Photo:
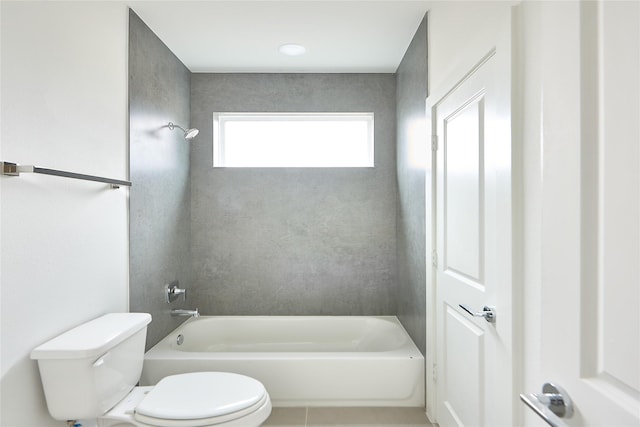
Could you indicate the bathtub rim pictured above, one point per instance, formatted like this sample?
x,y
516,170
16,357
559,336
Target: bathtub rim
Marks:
x,y
163,348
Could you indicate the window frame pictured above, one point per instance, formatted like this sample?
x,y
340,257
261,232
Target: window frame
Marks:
x,y
219,119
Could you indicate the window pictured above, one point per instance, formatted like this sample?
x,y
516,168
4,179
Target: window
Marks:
x,y
293,140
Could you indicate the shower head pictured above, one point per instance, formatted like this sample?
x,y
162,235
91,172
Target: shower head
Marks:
x,y
189,134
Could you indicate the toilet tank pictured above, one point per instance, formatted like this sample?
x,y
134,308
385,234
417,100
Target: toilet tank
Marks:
x,y
88,369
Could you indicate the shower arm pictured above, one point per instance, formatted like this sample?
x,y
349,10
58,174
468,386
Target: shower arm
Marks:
x,y
173,125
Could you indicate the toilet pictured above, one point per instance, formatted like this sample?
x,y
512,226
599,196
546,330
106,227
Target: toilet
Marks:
x,y
90,373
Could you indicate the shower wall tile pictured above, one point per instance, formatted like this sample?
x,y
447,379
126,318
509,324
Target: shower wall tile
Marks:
x,y
413,162
294,241
159,86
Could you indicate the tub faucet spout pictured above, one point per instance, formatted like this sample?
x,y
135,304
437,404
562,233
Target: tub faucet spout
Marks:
x,y
177,312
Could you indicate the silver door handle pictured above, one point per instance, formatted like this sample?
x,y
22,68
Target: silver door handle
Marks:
x,y
489,313
551,405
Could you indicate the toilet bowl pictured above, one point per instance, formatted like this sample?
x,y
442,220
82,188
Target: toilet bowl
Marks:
x,y
90,372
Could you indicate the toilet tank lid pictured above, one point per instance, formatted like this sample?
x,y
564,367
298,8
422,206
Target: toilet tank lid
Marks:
x,y
93,338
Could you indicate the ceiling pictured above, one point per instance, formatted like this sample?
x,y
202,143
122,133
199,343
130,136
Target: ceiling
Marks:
x,y
343,36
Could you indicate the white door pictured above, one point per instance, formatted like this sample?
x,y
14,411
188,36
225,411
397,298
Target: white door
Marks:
x,y
589,263
474,244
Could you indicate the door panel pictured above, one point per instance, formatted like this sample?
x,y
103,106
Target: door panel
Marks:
x,y
465,376
619,188
462,198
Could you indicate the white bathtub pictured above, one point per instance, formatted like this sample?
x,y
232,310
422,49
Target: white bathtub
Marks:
x,y
301,360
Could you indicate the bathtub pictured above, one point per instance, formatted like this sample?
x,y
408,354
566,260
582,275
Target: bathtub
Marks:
x,y
301,360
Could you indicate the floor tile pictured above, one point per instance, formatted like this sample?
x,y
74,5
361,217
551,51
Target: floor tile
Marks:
x,y
287,417
367,417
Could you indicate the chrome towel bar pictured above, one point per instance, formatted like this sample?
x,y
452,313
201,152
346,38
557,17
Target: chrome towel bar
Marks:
x,y
13,169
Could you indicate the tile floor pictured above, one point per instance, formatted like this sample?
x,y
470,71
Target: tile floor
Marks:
x,y
347,417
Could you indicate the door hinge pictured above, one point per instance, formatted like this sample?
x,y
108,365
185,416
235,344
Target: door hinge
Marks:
x,y
434,373
434,259
434,142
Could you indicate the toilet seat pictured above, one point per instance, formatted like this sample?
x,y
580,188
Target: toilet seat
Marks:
x,y
201,398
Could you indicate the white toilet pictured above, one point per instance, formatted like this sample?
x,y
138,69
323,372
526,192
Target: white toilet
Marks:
x,y
91,372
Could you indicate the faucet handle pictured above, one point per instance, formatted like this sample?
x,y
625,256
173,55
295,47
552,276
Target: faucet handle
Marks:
x,y
172,292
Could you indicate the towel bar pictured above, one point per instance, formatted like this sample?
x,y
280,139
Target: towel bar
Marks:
x,y
13,169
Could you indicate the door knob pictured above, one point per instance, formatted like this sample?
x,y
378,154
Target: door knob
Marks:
x,y
489,313
553,403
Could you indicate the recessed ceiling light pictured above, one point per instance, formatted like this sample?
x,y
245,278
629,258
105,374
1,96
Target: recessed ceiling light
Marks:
x,y
292,49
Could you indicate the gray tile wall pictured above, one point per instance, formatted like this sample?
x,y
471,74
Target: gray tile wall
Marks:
x,y
275,241
412,146
294,241
160,206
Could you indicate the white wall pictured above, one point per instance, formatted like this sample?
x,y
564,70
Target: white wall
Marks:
x,y
64,243
458,31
